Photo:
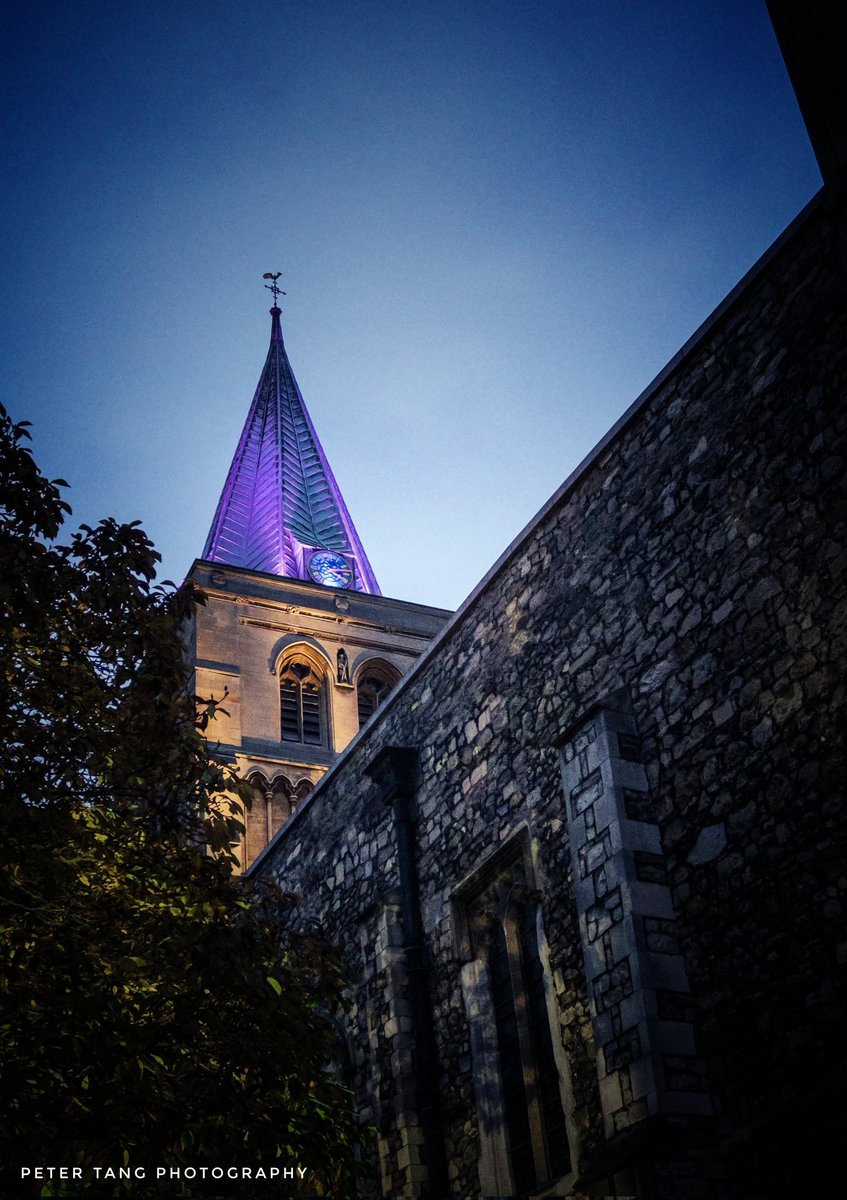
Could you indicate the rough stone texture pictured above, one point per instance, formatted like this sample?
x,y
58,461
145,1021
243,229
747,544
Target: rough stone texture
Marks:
x,y
629,932
695,565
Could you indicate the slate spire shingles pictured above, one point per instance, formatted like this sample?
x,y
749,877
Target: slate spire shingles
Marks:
x,y
280,499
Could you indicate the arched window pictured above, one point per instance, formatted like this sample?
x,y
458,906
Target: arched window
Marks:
x,y
373,683
273,804
302,707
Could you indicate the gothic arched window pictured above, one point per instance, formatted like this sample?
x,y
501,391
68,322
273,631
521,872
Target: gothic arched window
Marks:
x,y
373,683
302,706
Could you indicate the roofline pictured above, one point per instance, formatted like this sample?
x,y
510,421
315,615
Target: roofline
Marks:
x,y
318,588
627,417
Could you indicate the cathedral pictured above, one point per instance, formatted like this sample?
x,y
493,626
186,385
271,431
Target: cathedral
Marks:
x,y
582,841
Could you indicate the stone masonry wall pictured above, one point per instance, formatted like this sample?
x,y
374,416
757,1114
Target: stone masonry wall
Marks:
x,y
695,567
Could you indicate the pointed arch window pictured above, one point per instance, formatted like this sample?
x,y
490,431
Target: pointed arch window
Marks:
x,y
302,703
373,683
273,803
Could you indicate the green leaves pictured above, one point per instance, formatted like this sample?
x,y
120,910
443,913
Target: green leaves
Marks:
x,y
153,1005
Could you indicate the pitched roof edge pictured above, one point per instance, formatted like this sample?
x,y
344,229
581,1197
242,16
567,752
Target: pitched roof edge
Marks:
x,y
718,314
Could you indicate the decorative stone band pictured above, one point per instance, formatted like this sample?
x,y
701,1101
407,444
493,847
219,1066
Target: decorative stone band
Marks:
x,y
640,998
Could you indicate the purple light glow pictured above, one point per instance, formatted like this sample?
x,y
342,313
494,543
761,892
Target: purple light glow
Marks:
x,y
280,497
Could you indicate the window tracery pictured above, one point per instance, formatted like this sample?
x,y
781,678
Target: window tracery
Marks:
x,y
273,804
302,703
373,683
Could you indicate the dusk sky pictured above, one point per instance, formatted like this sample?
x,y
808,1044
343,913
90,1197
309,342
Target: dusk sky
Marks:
x,y
495,222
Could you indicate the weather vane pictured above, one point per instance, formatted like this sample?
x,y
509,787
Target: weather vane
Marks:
x,y
273,286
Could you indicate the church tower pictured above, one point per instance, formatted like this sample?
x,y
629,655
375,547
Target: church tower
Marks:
x,y
295,631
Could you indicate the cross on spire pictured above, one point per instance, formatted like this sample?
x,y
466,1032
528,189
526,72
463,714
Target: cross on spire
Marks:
x,y
273,285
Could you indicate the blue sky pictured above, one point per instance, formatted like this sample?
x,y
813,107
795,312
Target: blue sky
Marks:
x,y
495,222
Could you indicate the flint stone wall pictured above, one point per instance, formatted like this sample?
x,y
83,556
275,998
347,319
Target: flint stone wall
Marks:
x,y
695,566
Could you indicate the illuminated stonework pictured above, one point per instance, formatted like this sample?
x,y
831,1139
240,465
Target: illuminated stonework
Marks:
x,y
299,668
294,635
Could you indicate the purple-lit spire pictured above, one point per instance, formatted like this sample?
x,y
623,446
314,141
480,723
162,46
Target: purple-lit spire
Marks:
x,y
281,505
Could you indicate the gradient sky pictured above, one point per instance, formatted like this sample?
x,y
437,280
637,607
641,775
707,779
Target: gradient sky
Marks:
x,y
495,221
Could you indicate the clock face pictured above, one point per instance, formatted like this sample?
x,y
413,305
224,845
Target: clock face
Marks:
x,y
330,569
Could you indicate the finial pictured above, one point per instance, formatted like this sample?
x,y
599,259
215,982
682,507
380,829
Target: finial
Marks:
x,y
273,286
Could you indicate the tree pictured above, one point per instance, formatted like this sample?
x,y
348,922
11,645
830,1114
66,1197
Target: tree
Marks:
x,y
154,1009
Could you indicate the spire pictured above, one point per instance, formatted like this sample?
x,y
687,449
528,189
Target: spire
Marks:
x,y
281,511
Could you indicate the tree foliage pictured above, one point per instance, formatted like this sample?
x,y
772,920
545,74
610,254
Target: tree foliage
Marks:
x,y
153,1008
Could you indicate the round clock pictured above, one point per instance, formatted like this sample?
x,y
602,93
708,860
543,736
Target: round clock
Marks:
x,y
329,568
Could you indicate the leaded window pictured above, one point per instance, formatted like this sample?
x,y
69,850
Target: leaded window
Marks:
x,y
301,696
373,684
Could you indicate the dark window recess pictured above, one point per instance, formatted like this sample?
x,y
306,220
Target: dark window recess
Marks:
x,y
547,1073
519,998
371,690
301,705
511,1064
